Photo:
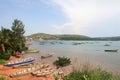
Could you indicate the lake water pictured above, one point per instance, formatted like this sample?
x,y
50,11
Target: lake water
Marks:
x,y
92,51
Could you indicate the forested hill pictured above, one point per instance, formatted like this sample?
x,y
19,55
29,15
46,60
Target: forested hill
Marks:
x,y
117,38
70,37
58,37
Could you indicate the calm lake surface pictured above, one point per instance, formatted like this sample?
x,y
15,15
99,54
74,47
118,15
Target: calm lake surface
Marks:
x,y
92,51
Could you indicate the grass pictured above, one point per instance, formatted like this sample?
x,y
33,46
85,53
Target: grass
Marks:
x,y
88,72
56,76
96,74
2,61
2,77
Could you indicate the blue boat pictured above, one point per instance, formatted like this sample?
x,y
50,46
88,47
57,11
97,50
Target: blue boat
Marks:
x,y
19,62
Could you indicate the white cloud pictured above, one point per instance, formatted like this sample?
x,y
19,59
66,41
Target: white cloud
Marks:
x,y
82,14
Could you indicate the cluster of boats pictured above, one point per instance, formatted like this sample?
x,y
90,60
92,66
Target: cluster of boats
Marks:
x,y
35,69
29,70
43,72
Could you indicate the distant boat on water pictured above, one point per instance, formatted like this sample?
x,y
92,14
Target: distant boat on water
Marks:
x,y
106,45
111,50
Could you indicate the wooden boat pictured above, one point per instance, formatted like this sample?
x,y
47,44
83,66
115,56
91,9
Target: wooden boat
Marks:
x,y
46,56
32,51
43,72
111,50
29,70
20,61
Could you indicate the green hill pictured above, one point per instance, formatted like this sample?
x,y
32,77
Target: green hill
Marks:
x,y
70,37
58,37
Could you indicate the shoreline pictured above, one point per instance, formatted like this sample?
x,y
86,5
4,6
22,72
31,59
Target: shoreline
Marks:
x,y
91,51
75,62
6,71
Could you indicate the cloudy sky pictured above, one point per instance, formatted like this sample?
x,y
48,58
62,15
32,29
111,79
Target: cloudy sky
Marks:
x,y
93,18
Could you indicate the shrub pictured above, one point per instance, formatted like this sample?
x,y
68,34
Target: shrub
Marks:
x,y
96,74
62,61
5,56
2,78
56,76
2,61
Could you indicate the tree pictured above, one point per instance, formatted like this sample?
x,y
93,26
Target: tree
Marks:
x,y
5,43
12,40
18,28
5,36
18,31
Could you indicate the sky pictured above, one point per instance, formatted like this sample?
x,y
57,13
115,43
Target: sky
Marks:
x,y
94,18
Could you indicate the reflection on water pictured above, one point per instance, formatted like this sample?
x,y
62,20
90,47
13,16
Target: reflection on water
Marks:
x,y
92,51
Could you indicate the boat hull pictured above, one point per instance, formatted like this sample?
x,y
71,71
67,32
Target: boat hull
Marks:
x,y
110,50
29,61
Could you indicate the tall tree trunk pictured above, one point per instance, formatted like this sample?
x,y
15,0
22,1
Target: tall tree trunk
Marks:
x,y
3,48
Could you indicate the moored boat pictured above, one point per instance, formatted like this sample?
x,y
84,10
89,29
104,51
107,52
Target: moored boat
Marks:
x,y
32,51
111,50
106,45
19,61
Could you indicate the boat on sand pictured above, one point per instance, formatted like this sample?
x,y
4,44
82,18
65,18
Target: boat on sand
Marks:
x,y
43,73
19,61
46,56
29,70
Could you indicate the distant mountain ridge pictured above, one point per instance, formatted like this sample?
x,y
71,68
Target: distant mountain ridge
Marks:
x,y
69,37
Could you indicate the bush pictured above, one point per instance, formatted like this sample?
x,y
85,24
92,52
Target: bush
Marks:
x,y
5,56
56,76
2,78
97,74
62,61
2,61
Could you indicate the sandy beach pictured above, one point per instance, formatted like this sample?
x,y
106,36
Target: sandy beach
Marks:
x,y
6,71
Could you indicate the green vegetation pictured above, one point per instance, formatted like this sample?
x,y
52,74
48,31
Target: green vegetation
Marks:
x,y
2,61
56,76
58,37
62,61
69,37
43,36
73,37
90,74
97,74
12,40
2,77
